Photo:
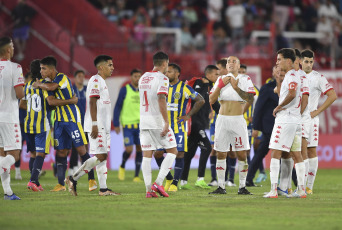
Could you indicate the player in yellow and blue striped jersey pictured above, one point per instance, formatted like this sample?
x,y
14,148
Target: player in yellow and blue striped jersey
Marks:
x,y
67,127
177,101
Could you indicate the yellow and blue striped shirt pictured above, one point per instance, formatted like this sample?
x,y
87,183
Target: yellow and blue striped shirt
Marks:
x,y
65,113
177,100
249,112
36,120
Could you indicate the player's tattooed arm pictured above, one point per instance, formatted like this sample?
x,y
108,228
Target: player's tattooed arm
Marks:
x,y
249,97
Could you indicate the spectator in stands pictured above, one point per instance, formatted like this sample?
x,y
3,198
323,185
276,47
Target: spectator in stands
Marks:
x,y
324,26
200,39
281,13
328,9
190,15
187,40
113,15
235,18
214,10
21,14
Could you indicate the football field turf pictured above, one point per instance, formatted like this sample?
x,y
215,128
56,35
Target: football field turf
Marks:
x,y
190,209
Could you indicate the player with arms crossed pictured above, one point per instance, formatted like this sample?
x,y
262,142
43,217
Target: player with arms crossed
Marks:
x,y
11,85
232,91
286,135
155,131
318,84
98,125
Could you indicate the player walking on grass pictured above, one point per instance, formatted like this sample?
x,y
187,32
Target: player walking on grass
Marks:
x,y
67,127
286,135
98,125
318,84
177,101
36,124
155,131
11,89
232,91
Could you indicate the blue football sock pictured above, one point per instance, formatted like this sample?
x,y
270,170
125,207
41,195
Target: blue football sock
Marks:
x,y
125,157
213,167
31,164
231,163
138,160
178,170
62,164
37,167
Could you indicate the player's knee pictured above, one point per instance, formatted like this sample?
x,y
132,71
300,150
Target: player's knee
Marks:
x,y
40,154
33,154
180,155
101,157
232,154
129,149
81,150
242,155
138,148
62,153
221,155
158,154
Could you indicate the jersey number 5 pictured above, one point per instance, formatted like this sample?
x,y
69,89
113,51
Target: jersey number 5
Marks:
x,y
145,101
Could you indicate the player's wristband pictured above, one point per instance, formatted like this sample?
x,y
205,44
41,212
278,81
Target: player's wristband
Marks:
x,y
220,84
94,123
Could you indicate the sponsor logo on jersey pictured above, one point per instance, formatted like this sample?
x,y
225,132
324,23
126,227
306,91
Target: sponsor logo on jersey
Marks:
x,y
285,147
146,80
95,91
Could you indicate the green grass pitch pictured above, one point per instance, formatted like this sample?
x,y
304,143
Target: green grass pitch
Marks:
x,y
193,209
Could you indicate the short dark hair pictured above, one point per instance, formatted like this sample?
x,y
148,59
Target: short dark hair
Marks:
x,y
297,53
49,60
222,62
308,53
210,68
287,53
78,71
159,58
3,42
27,75
101,58
136,71
175,66
35,69
243,66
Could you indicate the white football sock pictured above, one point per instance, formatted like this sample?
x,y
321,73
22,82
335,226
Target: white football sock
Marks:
x,y
147,172
274,173
200,178
313,166
300,171
17,171
243,169
165,167
285,167
6,163
70,172
101,170
86,167
220,172
306,162
6,181
290,175
183,182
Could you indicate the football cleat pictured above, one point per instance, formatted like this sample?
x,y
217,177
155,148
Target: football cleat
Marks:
x,y
172,188
159,189
92,185
42,173
261,177
219,190
231,184
201,184
151,195
213,183
244,191
282,192
11,197
137,180
251,184
186,187
109,192
40,188
271,194
32,186
308,191
298,194
168,184
121,174
289,191
58,188
71,183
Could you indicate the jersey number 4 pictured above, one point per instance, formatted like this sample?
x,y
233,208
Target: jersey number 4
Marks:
x,y
145,101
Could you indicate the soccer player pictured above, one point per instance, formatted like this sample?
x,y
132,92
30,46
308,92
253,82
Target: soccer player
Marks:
x,y
98,126
155,130
199,123
11,85
127,113
318,84
232,91
177,101
286,134
36,124
67,127
80,91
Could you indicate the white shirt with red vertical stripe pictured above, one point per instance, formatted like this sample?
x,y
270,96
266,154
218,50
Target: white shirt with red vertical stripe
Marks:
x,y
318,84
291,114
150,85
11,76
97,87
228,93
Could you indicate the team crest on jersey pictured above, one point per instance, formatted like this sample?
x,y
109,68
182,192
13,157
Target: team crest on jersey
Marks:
x,y
56,143
177,95
95,86
126,140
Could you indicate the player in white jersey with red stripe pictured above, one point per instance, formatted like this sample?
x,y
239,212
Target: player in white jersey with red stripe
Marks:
x,y
11,89
97,124
155,131
232,90
318,84
286,165
286,134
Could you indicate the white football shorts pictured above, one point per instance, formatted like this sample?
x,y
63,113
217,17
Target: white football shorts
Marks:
x,y
286,137
150,139
10,136
313,132
100,145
